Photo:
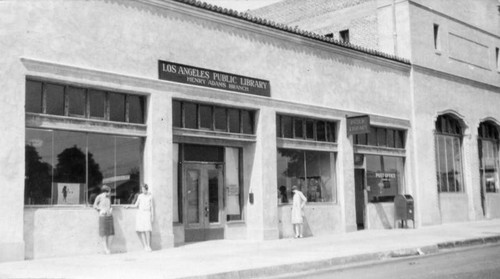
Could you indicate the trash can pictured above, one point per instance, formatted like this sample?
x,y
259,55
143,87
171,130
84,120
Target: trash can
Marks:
x,y
404,210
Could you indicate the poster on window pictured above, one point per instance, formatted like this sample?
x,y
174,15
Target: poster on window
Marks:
x,y
233,199
382,183
68,193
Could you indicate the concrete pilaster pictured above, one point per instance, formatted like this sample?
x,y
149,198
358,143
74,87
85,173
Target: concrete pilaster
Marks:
x,y
346,187
471,175
260,172
158,167
12,163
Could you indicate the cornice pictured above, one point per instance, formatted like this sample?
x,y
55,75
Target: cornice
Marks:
x,y
247,22
456,78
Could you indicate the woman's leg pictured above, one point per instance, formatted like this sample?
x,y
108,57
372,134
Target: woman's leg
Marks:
x,y
106,244
148,240
301,228
143,240
296,230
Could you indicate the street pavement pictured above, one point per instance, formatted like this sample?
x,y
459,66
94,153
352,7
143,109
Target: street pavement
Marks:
x,y
250,259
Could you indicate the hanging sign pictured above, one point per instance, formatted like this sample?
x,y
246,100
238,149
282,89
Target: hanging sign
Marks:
x,y
208,78
358,125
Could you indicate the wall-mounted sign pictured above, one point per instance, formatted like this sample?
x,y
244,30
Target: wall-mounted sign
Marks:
x,y
358,125
213,79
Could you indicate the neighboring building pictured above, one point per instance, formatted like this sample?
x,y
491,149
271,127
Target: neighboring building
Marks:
x,y
220,114
453,47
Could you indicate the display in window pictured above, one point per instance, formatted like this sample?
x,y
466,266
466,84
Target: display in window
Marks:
x,y
310,171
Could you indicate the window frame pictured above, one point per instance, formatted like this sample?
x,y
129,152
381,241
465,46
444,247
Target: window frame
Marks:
x,y
87,102
252,113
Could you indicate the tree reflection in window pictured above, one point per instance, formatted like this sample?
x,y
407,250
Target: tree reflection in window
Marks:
x,y
75,163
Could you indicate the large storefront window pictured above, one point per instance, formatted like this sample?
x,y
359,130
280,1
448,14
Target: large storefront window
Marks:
x,y
66,168
488,157
311,171
384,177
448,142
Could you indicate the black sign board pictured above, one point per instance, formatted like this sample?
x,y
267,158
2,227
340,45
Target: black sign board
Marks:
x,y
358,125
214,79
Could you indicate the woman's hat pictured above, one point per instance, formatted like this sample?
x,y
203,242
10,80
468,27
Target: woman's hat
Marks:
x,y
106,188
294,187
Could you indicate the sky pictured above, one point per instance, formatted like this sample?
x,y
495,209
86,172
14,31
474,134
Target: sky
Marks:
x,y
241,5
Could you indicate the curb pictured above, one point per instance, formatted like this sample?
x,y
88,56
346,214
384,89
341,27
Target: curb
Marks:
x,y
338,261
317,265
469,242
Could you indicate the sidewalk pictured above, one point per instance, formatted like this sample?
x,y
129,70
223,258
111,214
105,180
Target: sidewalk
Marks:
x,y
246,259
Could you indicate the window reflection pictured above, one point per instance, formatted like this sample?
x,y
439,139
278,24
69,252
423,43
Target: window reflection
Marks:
x,y
33,96
55,99
76,101
384,177
39,170
310,171
116,107
64,167
97,103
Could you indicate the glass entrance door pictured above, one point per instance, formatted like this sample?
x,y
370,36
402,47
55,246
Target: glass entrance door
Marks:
x,y
203,208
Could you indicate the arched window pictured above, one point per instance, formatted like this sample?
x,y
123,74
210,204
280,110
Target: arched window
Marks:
x,y
488,156
448,140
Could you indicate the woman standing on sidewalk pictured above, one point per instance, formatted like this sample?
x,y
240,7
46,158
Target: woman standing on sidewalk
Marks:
x,y
144,217
106,228
299,201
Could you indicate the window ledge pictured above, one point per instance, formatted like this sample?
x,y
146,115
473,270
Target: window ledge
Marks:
x,y
35,120
306,144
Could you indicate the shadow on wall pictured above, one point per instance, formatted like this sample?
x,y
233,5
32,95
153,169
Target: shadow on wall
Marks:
x,y
384,220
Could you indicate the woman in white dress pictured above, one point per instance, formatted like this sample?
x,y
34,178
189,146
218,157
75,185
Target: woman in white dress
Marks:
x,y
299,201
144,217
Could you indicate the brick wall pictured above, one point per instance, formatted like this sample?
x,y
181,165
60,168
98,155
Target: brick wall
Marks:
x,y
290,11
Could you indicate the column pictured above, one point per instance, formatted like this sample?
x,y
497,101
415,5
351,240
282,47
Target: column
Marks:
x,y
346,187
260,176
158,166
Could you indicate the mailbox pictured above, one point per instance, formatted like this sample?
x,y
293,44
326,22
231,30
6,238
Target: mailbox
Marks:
x,y
403,209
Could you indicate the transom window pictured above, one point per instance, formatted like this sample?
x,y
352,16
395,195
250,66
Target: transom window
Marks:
x,y
383,137
448,142
211,117
295,127
67,100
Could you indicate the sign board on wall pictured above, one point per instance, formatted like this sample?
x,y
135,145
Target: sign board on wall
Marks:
x,y
358,125
68,193
208,78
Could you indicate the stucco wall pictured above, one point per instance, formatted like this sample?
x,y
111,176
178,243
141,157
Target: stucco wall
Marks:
x,y
468,101
492,205
379,216
319,219
465,51
51,232
95,43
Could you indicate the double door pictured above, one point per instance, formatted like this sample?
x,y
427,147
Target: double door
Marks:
x,y
203,201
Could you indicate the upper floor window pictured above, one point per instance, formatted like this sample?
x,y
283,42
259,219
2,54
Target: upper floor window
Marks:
x,y
437,38
383,137
305,128
67,100
448,144
344,36
497,58
211,117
